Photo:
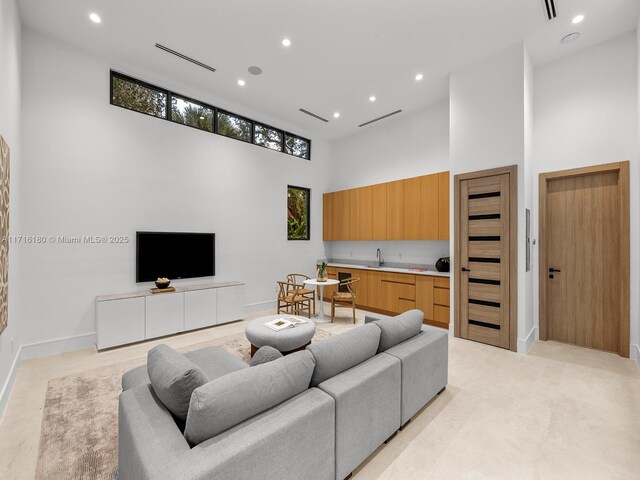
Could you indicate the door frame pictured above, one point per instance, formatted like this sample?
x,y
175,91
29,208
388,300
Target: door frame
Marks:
x,y
513,248
622,168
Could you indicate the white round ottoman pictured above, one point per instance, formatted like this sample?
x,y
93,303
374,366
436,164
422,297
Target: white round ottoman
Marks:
x,y
286,341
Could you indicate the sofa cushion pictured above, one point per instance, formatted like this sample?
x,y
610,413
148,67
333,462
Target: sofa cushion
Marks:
x,y
265,354
397,329
173,378
341,352
213,361
231,399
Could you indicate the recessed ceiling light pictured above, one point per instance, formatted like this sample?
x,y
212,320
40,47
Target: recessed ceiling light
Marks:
x,y
255,70
241,83
336,115
577,18
572,37
372,98
95,18
286,42
419,77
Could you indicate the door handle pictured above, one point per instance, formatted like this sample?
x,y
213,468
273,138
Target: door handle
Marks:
x,y
465,269
553,270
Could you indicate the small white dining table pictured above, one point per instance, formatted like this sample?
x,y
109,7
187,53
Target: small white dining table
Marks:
x,y
313,282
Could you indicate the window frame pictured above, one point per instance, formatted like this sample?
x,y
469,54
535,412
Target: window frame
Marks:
x,y
308,191
169,95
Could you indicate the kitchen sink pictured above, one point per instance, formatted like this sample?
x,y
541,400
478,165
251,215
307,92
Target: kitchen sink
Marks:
x,y
374,266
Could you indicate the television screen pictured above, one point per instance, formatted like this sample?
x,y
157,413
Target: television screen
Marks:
x,y
174,255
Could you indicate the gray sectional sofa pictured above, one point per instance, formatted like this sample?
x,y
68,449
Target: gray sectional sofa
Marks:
x,y
314,414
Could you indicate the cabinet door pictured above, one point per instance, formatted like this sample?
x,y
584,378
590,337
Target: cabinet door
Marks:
x,y
365,208
120,321
395,210
354,214
379,212
230,304
424,295
327,216
443,206
411,218
200,308
390,296
165,314
344,211
374,290
336,216
429,207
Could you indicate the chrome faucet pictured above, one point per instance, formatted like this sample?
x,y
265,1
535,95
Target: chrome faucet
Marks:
x,y
379,257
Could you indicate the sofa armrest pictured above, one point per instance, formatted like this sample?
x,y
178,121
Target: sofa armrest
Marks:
x,y
372,317
287,442
149,441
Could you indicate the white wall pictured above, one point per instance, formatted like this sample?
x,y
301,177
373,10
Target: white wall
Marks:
x,y
487,114
94,169
586,113
10,54
637,312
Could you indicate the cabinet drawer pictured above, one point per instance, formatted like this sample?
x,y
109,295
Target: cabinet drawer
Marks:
x,y
441,296
406,292
399,278
331,270
442,282
404,305
441,314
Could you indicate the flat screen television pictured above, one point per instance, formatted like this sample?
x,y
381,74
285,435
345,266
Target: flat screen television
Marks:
x,y
174,255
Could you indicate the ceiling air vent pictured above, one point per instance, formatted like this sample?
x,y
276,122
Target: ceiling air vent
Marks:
x,y
549,9
313,115
379,118
184,57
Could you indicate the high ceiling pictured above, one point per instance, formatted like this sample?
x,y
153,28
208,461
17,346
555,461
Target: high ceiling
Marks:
x,y
342,52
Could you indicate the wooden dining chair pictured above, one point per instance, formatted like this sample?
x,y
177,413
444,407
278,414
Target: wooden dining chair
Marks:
x,y
290,300
299,278
345,299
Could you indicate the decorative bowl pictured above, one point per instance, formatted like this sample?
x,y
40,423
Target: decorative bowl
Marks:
x,y
163,284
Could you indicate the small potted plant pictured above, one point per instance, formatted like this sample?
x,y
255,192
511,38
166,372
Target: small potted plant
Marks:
x,y
442,265
322,272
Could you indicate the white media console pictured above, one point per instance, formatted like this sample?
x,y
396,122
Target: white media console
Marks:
x,y
136,316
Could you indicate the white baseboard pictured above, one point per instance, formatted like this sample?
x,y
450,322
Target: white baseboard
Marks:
x,y
634,353
8,384
525,344
259,307
57,345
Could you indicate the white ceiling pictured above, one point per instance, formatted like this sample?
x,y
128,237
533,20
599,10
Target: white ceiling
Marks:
x,y
343,51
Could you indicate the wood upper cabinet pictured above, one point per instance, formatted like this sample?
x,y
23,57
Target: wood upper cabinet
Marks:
x,y
395,210
365,212
412,209
379,212
429,207
443,206
327,216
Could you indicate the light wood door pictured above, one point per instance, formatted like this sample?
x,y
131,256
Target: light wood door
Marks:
x,y
379,211
443,206
583,242
411,215
429,207
485,257
365,208
327,216
395,210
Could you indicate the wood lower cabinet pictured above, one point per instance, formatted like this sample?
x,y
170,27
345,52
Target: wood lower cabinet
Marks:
x,y
393,293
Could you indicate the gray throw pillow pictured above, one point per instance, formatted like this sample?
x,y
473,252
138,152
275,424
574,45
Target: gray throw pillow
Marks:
x,y
173,378
231,399
265,354
341,352
397,329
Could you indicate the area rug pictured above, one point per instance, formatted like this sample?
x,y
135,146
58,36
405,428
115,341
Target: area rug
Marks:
x,y
79,438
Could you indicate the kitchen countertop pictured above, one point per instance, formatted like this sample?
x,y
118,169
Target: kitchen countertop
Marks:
x,y
432,273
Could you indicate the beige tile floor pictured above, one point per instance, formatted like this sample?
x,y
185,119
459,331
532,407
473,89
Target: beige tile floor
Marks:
x,y
561,412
